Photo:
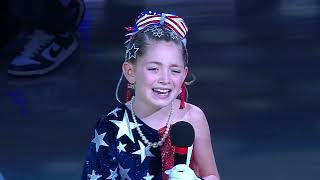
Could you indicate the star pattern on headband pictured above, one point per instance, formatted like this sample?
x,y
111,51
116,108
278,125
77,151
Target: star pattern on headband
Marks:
x,y
158,32
173,35
155,29
150,28
132,51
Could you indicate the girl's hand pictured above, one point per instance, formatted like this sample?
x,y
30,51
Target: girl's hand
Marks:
x,y
181,171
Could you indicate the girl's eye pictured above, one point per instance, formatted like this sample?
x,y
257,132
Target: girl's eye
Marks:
x,y
152,69
176,71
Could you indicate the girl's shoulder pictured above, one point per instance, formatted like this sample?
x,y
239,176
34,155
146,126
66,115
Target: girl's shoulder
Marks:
x,y
198,120
194,110
193,114
196,115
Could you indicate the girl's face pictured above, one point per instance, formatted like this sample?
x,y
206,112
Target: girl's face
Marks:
x,y
159,74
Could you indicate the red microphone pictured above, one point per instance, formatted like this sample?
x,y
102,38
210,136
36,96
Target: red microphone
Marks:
x,y
182,137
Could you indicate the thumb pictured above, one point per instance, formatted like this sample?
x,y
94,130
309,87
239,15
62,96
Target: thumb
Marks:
x,y
168,171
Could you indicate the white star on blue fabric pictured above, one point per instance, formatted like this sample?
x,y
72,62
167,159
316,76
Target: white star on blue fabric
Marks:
x,y
113,174
94,176
98,139
121,146
125,127
143,151
148,177
114,112
124,173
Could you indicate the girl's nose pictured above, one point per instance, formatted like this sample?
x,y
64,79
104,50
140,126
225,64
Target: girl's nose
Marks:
x,y
165,78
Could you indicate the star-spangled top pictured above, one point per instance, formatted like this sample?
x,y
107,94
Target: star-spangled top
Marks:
x,y
118,152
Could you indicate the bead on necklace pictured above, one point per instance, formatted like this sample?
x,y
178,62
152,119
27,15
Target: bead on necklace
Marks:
x,y
143,137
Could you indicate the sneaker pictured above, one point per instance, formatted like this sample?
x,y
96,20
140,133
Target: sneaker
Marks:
x,y
43,53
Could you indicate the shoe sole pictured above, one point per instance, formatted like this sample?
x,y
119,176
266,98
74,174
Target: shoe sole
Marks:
x,y
70,51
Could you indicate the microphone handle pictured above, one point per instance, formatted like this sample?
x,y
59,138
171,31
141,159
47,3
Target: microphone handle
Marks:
x,y
180,159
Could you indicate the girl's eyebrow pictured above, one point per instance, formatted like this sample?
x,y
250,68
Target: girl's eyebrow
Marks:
x,y
175,65
159,63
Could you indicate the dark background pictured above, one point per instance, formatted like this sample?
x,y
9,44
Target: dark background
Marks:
x,y
258,82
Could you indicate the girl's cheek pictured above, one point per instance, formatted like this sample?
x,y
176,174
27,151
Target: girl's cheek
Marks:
x,y
178,79
149,78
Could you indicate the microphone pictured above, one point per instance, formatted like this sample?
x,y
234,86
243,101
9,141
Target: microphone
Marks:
x,y
182,137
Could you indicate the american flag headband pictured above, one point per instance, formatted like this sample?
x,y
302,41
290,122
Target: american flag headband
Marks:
x,y
152,18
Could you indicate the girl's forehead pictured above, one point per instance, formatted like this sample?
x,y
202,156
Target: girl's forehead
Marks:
x,y
162,52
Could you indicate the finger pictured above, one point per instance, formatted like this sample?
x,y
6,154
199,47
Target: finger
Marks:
x,y
168,172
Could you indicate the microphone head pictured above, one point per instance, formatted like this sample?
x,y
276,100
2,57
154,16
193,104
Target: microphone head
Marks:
x,y
182,134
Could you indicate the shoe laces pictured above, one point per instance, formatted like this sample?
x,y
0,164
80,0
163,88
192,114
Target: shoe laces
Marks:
x,y
39,39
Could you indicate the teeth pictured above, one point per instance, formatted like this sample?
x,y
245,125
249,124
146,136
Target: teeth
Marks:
x,y
162,90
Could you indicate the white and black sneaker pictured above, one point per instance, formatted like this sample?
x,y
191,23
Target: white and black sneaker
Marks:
x,y
43,53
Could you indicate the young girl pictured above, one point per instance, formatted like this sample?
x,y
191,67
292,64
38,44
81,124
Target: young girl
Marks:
x,y
132,141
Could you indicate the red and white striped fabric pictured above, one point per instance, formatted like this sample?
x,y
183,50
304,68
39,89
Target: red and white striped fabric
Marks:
x,y
173,22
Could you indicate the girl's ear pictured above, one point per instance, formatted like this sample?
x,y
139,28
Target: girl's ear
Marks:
x,y
128,72
185,71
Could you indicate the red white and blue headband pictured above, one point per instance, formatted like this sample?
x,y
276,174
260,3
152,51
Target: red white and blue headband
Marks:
x,y
147,18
